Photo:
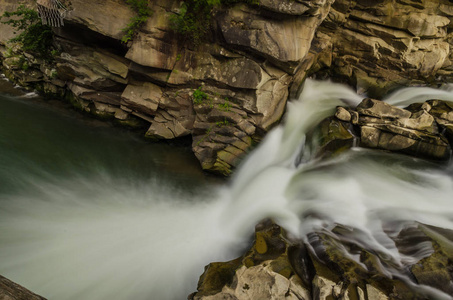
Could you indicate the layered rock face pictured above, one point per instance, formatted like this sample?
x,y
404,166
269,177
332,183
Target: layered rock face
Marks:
x,y
421,130
243,75
256,57
378,46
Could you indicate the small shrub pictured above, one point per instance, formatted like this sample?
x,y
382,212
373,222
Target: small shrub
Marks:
x,y
35,37
143,13
199,96
194,18
25,66
225,106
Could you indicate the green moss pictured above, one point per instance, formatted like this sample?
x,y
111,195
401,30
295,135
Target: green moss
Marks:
x,y
216,276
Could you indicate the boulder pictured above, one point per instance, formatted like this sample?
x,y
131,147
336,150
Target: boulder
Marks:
x,y
264,272
380,109
331,136
392,138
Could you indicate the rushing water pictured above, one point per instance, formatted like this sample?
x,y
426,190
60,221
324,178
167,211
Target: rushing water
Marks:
x,y
89,212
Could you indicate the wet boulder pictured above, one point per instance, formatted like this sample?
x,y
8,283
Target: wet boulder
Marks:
x,y
263,272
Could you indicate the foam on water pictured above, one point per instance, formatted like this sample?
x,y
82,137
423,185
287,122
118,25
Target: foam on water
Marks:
x,y
98,237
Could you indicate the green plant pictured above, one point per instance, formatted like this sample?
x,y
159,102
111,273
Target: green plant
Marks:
x,y
193,20
55,52
225,106
199,96
35,37
9,53
25,66
225,122
143,13
207,133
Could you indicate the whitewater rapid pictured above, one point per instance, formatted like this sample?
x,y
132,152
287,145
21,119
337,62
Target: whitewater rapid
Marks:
x,y
98,235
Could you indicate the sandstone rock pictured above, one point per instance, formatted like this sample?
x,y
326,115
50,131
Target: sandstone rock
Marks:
x,y
12,291
264,272
342,269
374,293
88,14
389,137
286,41
233,71
380,109
287,7
260,282
151,52
381,45
434,269
343,114
91,69
330,138
143,98
112,63
325,289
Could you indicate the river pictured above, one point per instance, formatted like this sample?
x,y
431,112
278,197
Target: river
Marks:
x,y
90,211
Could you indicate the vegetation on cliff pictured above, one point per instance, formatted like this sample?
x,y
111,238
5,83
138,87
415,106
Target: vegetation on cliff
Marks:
x,y
143,13
35,37
195,16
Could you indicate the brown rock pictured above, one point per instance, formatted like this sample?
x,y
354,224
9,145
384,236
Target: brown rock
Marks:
x,y
380,109
12,291
144,98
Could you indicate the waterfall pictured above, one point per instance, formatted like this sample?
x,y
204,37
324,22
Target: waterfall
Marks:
x,y
86,230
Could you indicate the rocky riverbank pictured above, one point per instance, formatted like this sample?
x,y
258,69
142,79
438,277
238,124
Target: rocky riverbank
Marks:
x,y
327,266
228,91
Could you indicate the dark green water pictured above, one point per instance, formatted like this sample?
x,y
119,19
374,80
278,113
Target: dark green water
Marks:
x,y
88,211
44,140
93,211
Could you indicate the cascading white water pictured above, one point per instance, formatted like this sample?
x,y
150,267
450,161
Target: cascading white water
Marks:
x,y
97,235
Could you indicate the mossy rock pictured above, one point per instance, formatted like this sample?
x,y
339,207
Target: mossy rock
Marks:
x,y
216,276
331,137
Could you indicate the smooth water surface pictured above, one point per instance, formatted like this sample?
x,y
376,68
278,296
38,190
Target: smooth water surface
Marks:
x,y
91,212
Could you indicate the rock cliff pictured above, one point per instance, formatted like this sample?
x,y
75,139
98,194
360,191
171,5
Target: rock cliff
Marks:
x,y
255,58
